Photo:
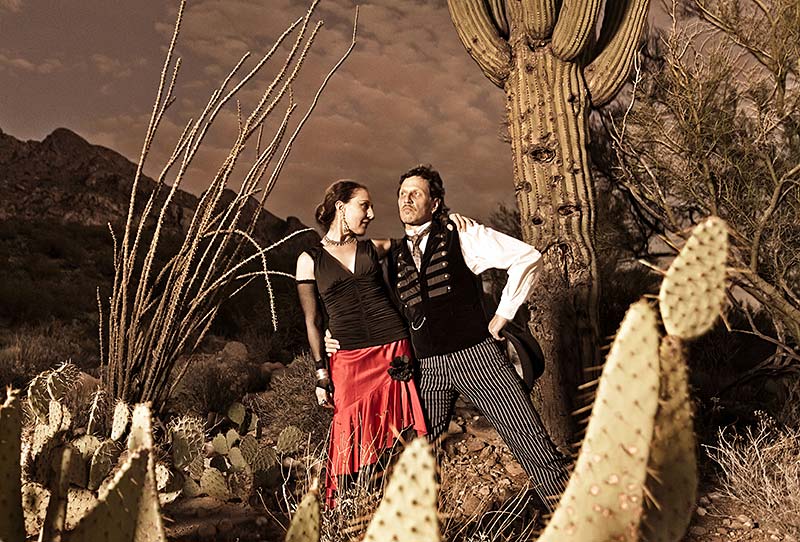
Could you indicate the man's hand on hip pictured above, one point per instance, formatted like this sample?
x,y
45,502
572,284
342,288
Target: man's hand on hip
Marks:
x,y
331,344
495,326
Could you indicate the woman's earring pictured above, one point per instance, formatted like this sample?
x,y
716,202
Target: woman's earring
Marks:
x,y
345,227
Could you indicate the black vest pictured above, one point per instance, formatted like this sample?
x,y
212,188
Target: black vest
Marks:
x,y
442,302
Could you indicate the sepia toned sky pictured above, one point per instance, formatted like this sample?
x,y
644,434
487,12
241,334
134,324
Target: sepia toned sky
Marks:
x,y
408,94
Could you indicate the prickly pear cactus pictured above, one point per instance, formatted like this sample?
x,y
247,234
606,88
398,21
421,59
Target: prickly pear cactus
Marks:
x,y
187,437
103,460
97,412
12,520
693,290
35,498
213,483
305,522
236,413
604,497
220,444
115,516
62,381
120,420
290,440
673,461
38,397
408,510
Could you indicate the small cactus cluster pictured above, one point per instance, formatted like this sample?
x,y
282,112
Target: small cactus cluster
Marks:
x,y
235,464
125,508
636,474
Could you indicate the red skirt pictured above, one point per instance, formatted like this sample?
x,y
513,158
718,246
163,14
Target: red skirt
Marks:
x,y
370,408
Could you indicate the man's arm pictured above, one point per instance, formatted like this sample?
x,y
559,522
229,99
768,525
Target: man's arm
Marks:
x,y
484,248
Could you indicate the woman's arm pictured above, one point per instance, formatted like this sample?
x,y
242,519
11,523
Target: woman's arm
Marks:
x,y
307,291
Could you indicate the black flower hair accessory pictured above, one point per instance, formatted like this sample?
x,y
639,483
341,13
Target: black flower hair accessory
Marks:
x,y
400,368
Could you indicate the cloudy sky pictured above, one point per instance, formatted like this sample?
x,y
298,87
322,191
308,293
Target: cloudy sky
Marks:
x,y
409,93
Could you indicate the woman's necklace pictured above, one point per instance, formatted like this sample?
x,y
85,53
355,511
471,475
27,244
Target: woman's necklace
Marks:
x,y
327,241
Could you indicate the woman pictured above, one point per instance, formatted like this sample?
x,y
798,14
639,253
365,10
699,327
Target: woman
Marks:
x,y
374,398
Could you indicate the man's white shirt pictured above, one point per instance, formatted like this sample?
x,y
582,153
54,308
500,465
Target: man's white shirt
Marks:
x,y
484,248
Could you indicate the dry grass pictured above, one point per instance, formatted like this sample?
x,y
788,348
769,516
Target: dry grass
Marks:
x,y
761,472
31,349
291,401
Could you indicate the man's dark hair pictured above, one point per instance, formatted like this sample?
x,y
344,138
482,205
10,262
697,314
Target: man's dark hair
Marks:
x,y
435,186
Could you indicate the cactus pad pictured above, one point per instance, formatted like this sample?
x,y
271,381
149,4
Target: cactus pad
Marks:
x,y
187,438
305,522
672,452
86,445
237,459
290,440
265,459
191,488
97,412
79,503
236,413
62,381
213,484
232,438
220,444
120,420
35,498
249,448
408,510
38,397
103,460
115,515
141,435
603,500
12,521
693,290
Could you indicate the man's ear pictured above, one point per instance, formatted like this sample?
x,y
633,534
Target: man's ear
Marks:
x,y
436,203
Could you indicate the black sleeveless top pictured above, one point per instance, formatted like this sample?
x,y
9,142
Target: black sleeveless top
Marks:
x,y
358,306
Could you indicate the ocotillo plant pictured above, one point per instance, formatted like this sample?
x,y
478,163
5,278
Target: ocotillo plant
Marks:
x,y
545,56
153,316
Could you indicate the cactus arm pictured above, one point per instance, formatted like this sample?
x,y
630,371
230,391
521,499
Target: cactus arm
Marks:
x,y
622,27
498,8
534,18
12,521
480,36
575,28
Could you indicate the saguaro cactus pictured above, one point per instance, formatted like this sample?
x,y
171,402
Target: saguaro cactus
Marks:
x,y
544,55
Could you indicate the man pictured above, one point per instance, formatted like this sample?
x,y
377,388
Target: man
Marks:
x,y
433,272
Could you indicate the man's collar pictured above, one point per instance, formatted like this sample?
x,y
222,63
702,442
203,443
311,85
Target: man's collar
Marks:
x,y
412,230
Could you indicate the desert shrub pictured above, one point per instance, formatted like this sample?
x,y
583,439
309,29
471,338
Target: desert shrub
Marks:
x,y
291,401
761,472
30,349
211,384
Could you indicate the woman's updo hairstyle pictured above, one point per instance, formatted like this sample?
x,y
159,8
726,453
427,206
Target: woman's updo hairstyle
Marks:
x,y
339,191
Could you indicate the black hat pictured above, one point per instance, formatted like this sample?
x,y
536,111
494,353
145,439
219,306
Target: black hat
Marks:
x,y
528,351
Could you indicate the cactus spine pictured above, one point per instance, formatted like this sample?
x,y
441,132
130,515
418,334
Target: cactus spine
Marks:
x,y
544,55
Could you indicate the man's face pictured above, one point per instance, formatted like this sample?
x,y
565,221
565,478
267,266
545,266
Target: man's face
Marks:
x,y
415,203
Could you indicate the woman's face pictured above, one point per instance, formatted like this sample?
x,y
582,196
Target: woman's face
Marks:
x,y
358,212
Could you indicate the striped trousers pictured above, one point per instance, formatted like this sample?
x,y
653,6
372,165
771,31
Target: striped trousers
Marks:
x,y
487,378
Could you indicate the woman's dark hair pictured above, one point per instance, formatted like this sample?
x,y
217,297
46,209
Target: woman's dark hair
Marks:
x,y
339,191
435,186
